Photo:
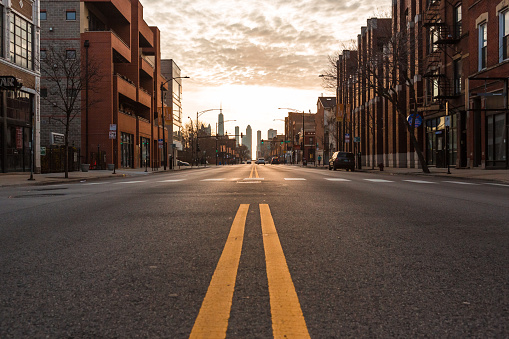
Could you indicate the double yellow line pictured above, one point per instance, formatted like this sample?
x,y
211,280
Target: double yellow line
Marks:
x,y
255,171
287,318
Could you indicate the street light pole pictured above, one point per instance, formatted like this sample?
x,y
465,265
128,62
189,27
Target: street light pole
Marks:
x,y
164,118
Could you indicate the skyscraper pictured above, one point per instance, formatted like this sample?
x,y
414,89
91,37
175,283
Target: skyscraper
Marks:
x,y
220,124
258,143
271,133
237,135
249,139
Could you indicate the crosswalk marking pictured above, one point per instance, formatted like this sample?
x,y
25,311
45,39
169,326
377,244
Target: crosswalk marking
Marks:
x,y
420,181
378,180
216,179
253,179
461,183
337,179
130,182
294,179
172,180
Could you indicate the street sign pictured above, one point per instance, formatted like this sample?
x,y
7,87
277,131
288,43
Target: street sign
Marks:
x,y
160,142
418,120
113,134
356,139
447,121
347,137
113,127
57,138
43,151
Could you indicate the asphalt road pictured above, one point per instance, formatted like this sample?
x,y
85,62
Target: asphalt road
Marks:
x,y
341,254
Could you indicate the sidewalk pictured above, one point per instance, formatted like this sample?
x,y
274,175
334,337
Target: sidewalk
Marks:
x,y
22,178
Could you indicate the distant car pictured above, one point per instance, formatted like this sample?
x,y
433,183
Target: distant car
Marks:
x,y
275,161
260,161
249,161
182,163
344,160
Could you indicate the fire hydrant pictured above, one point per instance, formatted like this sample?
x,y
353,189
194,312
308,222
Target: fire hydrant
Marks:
x,y
381,166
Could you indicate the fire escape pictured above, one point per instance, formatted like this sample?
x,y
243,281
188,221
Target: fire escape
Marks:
x,y
441,36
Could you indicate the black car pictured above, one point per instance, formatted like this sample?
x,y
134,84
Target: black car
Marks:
x,y
345,160
274,161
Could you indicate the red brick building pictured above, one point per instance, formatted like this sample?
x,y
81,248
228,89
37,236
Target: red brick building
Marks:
x,y
120,121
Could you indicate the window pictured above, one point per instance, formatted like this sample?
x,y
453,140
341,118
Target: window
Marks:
x,y
457,76
503,35
71,54
21,32
44,92
72,92
483,43
43,54
1,31
43,16
70,15
457,21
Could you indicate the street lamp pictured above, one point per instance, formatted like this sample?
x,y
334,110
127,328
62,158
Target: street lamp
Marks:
x,y
192,137
303,134
164,118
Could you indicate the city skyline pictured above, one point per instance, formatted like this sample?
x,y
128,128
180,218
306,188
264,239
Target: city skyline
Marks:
x,y
252,59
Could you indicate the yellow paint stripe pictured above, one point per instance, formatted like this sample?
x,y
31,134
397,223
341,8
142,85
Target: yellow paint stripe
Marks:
x,y
252,170
212,320
256,172
287,318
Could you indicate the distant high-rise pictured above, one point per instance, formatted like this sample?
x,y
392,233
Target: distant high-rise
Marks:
x,y
258,143
247,139
237,135
271,133
220,124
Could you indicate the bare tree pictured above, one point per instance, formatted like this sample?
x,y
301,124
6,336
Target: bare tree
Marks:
x,y
64,73
387,72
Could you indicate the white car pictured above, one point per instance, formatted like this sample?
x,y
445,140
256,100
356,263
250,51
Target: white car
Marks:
x,y
260,161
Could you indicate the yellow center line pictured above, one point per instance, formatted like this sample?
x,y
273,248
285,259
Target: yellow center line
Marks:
x,y
212,320
287,318
252,170
256,172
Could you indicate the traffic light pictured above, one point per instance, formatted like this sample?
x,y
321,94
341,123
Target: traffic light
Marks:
x,y
262,141
241,135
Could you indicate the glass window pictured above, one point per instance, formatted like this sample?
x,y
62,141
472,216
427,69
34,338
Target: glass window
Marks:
x,y
483,43
503,35
21,42
43,54
44,92
70,15
71,54
457,76
457,21
43,16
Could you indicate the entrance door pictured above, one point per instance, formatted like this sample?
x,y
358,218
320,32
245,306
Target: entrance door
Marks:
x,y
440,149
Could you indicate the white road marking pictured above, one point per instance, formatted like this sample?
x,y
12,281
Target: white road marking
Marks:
x,y
172,180
218,179
420,181
295,179
378,180
95,183
253,179
462,183
493,184
130,182
337,179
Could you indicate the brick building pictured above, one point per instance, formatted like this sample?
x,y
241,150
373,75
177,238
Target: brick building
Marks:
x,y
19,86
326,127
120,121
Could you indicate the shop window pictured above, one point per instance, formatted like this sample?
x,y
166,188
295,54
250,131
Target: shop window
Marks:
x,y
70,15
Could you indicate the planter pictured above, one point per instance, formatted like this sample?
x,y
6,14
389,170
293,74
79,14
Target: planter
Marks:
x,y
85,167
111,167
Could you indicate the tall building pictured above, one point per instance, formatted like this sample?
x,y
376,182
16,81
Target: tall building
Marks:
x,y
237,135
258,143
121,120
248,139
220,124
19,86
173,110
272,133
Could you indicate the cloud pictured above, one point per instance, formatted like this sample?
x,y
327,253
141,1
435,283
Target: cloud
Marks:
x,y
267,43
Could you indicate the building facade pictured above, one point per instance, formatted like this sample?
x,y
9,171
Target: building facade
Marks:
x,y
19,87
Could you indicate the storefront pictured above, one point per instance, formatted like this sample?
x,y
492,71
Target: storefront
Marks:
x,y
442,141
127,150
15,127
496,140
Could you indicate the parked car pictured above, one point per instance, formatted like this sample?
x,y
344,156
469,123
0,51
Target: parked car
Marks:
x,y
249,162
260,161
275,161
182,163
345,160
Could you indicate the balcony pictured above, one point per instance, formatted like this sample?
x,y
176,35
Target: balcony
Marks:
x,y
147,67
144,98
146,35
114,8
125,87
108,39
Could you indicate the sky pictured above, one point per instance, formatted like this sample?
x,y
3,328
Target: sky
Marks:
x,y
252,57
